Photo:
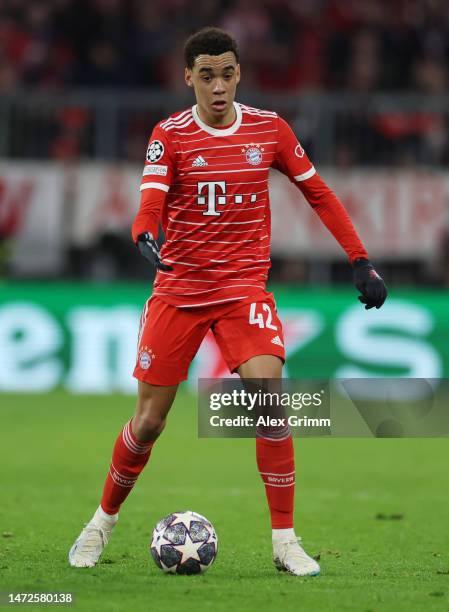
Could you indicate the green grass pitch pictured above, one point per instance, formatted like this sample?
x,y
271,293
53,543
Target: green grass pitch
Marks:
x,y
55,451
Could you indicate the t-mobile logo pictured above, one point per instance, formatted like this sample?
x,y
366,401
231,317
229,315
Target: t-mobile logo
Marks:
x,y
208,194
211,199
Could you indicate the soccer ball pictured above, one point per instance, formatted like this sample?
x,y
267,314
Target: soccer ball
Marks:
x,y
184,543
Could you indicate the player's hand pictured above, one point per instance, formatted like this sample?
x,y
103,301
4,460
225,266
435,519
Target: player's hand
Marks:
x,y
369,283
147,245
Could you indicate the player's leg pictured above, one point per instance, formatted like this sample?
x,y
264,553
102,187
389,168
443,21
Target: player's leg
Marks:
x,y
133,445
274,446
249,349
131,452
168,340
276,464
261,366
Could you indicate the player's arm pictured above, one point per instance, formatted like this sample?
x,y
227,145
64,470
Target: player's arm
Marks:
x,y
156,179
292,160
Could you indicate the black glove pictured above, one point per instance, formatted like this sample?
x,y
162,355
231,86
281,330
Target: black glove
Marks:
x,y
147,245
369,283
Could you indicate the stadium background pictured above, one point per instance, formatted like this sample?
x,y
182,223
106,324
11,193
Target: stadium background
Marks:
x,y
365,86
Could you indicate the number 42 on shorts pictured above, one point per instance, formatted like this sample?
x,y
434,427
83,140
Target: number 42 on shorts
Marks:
x,y
257,318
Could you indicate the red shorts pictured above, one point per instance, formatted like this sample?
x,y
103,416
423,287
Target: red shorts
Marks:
x,y
170,337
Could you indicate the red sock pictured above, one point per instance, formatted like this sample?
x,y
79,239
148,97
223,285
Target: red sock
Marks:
x,y
129,457
276,463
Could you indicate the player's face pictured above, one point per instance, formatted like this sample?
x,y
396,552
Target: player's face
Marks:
x,y
214,79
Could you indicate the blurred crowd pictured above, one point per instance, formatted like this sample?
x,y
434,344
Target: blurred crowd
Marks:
x,y
50,49
355,45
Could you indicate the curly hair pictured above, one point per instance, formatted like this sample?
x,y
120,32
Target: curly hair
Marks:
x,y
209,41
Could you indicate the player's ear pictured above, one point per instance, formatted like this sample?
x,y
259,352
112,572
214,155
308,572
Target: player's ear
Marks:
x,y
188,77
237,74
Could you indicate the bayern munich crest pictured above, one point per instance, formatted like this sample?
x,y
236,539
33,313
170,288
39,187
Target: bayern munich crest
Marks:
x,y
253,153
146,357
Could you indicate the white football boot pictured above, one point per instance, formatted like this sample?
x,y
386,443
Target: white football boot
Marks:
x,y
91,542
289,556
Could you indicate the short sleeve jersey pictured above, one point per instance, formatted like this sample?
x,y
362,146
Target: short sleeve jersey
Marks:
x,y
216,216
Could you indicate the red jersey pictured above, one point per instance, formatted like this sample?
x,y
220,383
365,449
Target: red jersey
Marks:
x,y
216,213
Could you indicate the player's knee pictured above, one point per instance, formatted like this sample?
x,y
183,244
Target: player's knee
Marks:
x,y
148,425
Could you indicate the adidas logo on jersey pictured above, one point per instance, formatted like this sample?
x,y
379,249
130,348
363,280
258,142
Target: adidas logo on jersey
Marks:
x,y
277,340
199,161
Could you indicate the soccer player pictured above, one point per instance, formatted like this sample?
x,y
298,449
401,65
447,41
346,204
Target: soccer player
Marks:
x,y
206,179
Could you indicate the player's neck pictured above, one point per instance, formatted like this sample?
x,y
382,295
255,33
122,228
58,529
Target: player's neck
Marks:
x,y
215,122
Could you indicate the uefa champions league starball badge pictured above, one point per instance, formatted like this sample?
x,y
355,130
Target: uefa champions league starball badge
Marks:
x,y
253,153
155,151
